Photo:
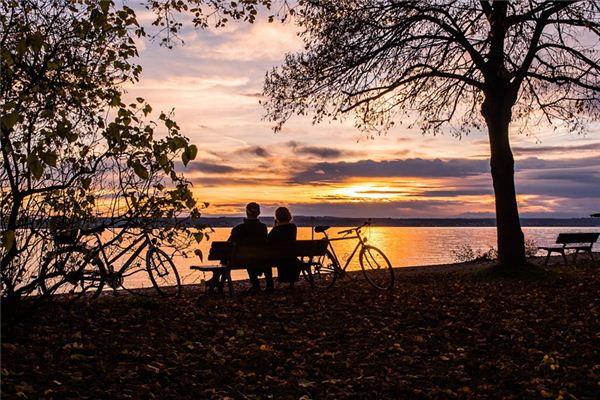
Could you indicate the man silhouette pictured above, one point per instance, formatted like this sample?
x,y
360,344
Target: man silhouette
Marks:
x,y
253,231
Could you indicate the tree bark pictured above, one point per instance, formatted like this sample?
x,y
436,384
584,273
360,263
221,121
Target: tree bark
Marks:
x,y
511,241
497,111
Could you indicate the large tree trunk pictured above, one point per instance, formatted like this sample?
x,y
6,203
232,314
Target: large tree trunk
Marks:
x,y
511,243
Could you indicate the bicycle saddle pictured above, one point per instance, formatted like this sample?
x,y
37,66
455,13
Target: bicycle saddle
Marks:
x,y
321,228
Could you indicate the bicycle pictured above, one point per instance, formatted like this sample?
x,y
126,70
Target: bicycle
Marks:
x,y
79,269
375,265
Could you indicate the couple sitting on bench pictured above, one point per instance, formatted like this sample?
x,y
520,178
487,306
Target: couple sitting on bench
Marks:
x,y
254,231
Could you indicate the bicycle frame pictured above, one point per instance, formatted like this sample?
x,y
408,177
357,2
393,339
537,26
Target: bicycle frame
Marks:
x,y
143,241
92,267
361,242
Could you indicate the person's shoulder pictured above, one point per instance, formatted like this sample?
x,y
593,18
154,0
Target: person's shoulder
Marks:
x,y
238,227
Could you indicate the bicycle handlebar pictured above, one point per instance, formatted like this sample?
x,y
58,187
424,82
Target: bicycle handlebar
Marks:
x,y
346,231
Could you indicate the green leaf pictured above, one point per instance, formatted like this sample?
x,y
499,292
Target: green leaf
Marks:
x,y
189,154
49,158
86,182
104,5
147,109
162,160
192,151
9,120
36,42
8,239
140,170
35,166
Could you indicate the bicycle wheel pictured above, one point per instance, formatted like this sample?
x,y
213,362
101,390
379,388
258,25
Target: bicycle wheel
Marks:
x,y
72,270
163,274
376,267
322,271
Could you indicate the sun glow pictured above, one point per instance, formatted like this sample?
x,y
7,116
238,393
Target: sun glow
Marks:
x,y
370,191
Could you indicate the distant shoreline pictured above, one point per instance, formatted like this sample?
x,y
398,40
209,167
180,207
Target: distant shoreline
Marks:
x,y
304,221
307,221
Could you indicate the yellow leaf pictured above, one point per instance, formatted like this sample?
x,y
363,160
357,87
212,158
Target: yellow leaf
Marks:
x,y
265,347
152,368
189,345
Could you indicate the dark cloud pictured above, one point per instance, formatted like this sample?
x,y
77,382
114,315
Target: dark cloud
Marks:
x,y
210,168
555,149
253,150
458,192
214,181
415,167
377,209
540,163
433,209
321,152
255,94
569,179
565,184
568,175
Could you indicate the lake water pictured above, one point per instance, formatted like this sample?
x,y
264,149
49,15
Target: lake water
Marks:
x,y
404,246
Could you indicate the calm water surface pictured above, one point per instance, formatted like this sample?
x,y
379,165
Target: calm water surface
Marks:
x,y
404,246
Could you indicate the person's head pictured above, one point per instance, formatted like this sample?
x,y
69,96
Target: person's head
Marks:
x,y
252,210
283,215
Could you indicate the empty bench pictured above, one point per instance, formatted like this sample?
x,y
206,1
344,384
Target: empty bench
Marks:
x,y
572,241
234,256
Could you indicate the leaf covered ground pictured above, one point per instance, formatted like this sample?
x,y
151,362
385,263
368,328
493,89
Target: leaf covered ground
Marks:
x,y
434,336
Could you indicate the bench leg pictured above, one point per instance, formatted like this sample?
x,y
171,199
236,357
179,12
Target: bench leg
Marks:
x,y
564,258
575,255
216,281
229,285
213,282
547,258
222,280
307,272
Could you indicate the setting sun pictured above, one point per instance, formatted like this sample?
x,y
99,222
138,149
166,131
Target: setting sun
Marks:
x,y
369,191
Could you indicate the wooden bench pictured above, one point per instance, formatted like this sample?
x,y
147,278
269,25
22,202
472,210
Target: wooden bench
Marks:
x,y
242,256
572,241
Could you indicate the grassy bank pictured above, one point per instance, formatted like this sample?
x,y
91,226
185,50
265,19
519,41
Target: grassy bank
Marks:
x,y
441,335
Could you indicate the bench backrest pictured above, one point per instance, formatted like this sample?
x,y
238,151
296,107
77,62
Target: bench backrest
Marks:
x,y
567,238
260,253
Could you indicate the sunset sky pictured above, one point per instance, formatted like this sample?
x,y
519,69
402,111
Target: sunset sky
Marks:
x,y
214,83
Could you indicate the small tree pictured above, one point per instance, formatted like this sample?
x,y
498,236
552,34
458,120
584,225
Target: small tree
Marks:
x,y
72,151
462,63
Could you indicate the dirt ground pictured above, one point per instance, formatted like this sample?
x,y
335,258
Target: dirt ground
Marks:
x,y
457,331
